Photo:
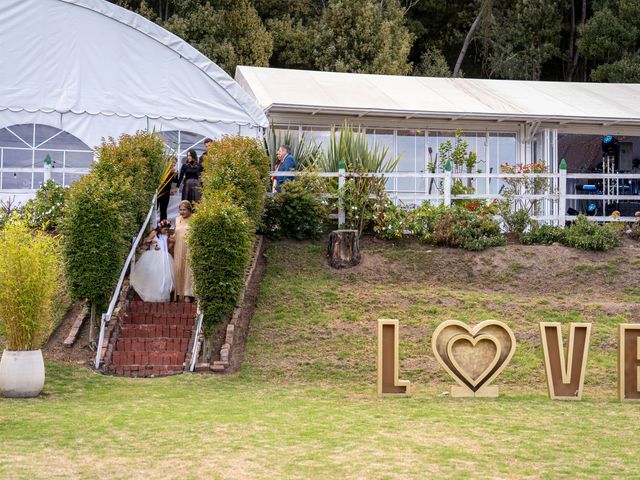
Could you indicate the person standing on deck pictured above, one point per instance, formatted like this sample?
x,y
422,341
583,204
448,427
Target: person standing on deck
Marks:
x,y
286,163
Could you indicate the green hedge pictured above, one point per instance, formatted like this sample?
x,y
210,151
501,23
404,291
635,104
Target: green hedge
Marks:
x,y
240,167
104,211
220,240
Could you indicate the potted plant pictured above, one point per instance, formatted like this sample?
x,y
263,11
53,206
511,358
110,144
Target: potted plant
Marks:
x,y
30,265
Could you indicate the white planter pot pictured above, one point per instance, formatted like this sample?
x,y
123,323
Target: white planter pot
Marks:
x,y
21,373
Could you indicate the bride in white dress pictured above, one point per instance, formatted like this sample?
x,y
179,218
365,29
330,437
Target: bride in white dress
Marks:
x,y
152,276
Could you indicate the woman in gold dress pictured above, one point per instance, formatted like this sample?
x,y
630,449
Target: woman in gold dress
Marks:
x,y
183,278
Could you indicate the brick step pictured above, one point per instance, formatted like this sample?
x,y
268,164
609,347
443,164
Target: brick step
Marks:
x,y
151,331
138,306
134,370
160,319
148,358
153,344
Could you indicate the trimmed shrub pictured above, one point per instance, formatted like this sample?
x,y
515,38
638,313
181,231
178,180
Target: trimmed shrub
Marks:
x,y
240,167
587,235
516,221
295,212
93,244
31,267
220,241
45,211
105,209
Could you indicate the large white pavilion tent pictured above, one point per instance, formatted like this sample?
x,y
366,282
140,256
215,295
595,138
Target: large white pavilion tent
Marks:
x,y
75,71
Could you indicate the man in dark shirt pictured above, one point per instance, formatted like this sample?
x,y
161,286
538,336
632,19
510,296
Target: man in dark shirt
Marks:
x,y
286,163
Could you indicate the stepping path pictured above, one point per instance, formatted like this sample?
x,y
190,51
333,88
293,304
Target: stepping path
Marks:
x,y
154,339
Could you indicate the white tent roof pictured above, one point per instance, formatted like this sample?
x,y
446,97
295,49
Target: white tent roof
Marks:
x,y
278,90
65,60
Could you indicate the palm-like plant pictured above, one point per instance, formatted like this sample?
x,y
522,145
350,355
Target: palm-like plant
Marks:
x,y
304,151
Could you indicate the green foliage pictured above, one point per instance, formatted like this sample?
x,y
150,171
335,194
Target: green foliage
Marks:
x,y
524,36
45,210
105,209
432,64
456,226
583,234
363,36
220,240
293,42
31,271
297,211
228,32
543,234
516,220
587,235
610,39
238,166
391,221
305,152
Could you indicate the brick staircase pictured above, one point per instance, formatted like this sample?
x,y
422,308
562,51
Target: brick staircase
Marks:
x,y
153,340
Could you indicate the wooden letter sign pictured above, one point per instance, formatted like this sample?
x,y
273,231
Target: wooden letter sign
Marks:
x,y
474,357
388,360
629,366
565,374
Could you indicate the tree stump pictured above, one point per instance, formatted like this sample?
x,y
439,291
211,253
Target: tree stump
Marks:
x,y
344,249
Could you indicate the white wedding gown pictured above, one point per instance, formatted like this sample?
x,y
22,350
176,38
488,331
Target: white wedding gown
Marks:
x,y
152,276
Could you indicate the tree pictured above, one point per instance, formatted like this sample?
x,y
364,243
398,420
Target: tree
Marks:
x,y
363,36
432,64
484,12
525,36
610,39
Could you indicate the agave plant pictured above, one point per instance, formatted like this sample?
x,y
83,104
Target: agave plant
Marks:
x,y
304,151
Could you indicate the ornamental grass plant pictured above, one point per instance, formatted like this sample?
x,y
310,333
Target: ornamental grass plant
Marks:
x,y
30,262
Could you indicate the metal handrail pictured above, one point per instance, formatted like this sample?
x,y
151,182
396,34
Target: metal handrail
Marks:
x,y
106,317
196,344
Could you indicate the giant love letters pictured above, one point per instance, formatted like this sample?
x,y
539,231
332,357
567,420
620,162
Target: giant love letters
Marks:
x,y
476,356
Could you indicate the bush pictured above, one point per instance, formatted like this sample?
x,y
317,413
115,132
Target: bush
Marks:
x,y
457,226
587,235
240,167
295,212
220,241
105,209
543,234
391,220
583,234
92,241
516,221
31,267
45,211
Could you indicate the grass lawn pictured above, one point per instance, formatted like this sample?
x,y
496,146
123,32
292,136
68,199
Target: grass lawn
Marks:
x,y
304,404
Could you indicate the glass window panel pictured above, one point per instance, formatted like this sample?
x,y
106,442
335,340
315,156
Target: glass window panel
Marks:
x,y
65,141
24,131
8,139
57,177
38,179
16,181
44,133
319,135
56,157
406,151
70,178
190,140
17,158
78,160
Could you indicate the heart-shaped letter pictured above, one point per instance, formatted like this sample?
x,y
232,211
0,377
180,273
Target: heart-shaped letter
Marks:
x,y
474,357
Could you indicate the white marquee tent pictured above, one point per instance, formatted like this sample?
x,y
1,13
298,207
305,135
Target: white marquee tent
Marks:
x,y
75,71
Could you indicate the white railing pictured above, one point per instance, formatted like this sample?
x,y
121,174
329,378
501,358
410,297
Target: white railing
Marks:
x,y
555,198
196,341
106,317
